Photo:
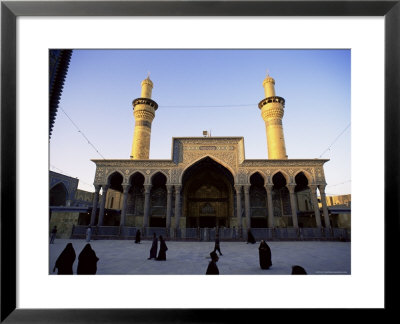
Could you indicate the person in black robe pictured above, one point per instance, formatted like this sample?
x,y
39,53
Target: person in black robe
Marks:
x,y
137,240
154,247
297,270
212,268
250,237
217,247
65,260
87,263
162,256
265,255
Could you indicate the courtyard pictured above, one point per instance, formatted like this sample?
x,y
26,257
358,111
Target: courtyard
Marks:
x,y
124,257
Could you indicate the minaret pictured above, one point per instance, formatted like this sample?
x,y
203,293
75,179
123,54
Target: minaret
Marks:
x,y
272,113
144,111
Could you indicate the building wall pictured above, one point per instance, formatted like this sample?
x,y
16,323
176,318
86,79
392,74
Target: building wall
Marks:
x,y
339,200
64,222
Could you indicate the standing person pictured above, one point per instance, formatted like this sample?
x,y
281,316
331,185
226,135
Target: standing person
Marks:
x,y
137,240
212,268
53,234
217,247
162,256
87,263
250,237
88,233
265,255
234,233
65,260
154,247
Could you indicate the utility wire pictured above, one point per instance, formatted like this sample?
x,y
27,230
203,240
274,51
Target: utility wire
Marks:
x,y
82,133
329,147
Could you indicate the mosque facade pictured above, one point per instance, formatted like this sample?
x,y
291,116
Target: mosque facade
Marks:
x,y
208,182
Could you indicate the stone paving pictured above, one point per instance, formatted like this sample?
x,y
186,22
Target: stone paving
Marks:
x,y
118,257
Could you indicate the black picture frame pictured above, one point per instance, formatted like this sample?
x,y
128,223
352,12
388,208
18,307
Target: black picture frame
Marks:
x,y
10,10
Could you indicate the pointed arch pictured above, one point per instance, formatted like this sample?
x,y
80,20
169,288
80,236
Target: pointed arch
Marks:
x,y
130,178
217,160
284,174
58,195
262,174
158,172
306,174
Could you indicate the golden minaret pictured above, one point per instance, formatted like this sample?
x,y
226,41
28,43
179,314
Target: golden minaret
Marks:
x,y
144,111
272,113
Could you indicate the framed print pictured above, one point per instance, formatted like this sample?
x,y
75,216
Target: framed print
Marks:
x,y
367,29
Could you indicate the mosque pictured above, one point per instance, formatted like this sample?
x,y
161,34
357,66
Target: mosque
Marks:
x,y
208,182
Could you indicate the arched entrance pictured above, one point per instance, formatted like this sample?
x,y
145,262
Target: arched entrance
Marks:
x,y
207,194
305,209
281,202
134,208
158,200
58,195
258,202
112,217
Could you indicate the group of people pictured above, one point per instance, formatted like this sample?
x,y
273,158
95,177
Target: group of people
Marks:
x,y
264,253
87,261
162,254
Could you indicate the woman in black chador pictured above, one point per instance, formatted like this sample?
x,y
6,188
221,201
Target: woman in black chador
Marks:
x,y
265,255
65,260
137,240
162,256
87,261
212,268
250,237
298,270
154,247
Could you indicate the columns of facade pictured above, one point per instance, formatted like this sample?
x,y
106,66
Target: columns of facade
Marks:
x,y
246,189
268,188
146,208
324,206
169,206
95,203
124,202
293,204
177,205
314,200
238,189
103,204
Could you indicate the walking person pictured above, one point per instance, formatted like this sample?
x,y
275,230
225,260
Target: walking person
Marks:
x,y
264,255
154,247
87,263
217,247
162,256
212,268
137,239
53,234
88,233
65,260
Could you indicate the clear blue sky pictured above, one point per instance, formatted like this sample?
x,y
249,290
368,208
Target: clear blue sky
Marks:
x,y
198,90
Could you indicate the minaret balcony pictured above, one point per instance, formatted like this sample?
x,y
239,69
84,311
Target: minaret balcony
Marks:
x,y
145,101
271,100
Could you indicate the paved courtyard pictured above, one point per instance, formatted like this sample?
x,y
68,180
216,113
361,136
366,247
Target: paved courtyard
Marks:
x,y
118,257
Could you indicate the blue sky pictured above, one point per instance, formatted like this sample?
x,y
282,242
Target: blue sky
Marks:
x,y
198,90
